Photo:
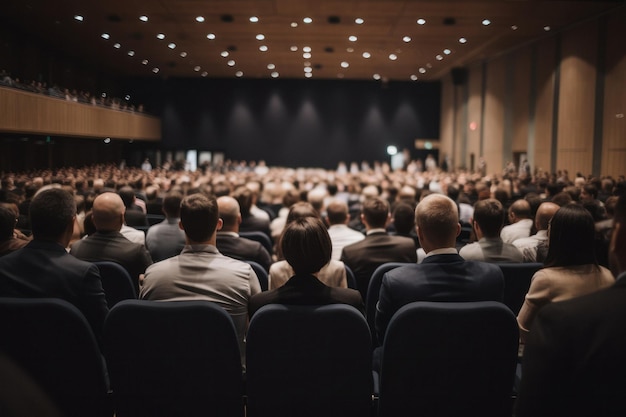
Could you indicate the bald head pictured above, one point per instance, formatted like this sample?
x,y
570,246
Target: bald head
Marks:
x,y
544,214
230,213
519,210
108,212
437,220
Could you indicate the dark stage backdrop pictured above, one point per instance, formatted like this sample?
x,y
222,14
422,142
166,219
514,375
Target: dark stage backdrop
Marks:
x,y
292,122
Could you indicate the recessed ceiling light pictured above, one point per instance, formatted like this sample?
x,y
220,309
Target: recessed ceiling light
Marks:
x,y
155,70
421,21
143,18
107,140
344,64
308,74
486,22
308,69
144,62
447,51
196,68
126,97
422,70
204,73
294,24
366,55
172,45
514,27
105,36
271,66
293,48
161,36
462,40
275,74
254,19
439,57
260,37
78,17
352,38
393,57
183,54
239,74
210,36
359,21
407,39
263,48
546,28
231,63
200,19
224,54
306,49
376,76
117,45
413,77
307,20
306,55
131,53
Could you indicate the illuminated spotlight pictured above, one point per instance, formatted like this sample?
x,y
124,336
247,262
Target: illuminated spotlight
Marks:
x,y
352,38
239,74
294,24
117,45
271,66
439,57
263,48
254,19
126,97
143,18
462,40
407,39
224,54
210,36
144,62
306,55
260,37
172,45
275,74
155,70
546,28
131,53
106,36
392,150
421,21
161,36
293,48
183,54
413,77
486,22
78,17
200,19
422,70
107,140
376,76
514,27
393,57
308,74
307,20
196,68
204,73
359,21
231,63
344,64
366,55
308,69
306,49
447,51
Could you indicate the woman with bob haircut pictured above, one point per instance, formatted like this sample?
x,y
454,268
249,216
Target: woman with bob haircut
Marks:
x,y
570,268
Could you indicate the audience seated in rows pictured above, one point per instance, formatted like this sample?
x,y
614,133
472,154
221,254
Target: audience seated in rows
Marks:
x,y
9,242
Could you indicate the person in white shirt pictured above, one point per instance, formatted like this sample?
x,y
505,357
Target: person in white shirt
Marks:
x,y
341,235
521,219
528,245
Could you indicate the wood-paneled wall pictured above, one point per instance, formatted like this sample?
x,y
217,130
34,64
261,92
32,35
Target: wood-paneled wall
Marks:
x,y
561,100
24,112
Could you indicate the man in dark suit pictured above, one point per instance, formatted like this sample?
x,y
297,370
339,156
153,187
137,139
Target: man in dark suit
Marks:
x,y
43,268
108,244
249,222
378,247
443,275
574,359
133,216
306,245
229,242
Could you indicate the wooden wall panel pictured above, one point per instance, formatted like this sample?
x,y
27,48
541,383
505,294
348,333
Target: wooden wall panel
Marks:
x,y
577,99
446,130
520,118
544,115
614,119
35,113
494,115
474,108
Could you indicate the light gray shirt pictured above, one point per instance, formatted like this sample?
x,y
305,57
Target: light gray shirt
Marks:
x,y
165,239
341,235
491,250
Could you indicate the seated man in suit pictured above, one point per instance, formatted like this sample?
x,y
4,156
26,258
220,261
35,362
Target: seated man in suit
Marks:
x,y
535,247
230,243
108,244
378,247
201,272
167,239
487,223
133,215
443,275
574,362
337,217
306,246
43,268
249,222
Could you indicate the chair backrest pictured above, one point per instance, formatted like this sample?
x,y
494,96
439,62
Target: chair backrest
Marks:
x,y
260,237
116,282
308,360
261,274
449,359
154,218
373,291
175,358
517,277
351,280
51,340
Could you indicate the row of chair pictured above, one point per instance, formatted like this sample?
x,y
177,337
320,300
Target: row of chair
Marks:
x,y
182,359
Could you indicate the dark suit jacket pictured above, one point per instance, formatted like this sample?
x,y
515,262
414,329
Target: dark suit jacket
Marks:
x,y
575,357
445,277
44,269
251,224
135,218
306,290
243,249
365,256
113,246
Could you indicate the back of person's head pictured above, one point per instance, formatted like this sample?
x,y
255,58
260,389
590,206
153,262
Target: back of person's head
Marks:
x,y
375,212
127,195
243,195
489,214
597,210
545,212
199,216
610,205
453,192
437,219
337,212
589,192
228,211
306,245
108,212
8,220
51,211
521,209
171,204
301,210
571,237
562,198
316,197
404,218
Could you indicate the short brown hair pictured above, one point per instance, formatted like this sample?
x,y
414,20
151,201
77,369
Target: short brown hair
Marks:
x,y
376,212
199,215
489,214
306,245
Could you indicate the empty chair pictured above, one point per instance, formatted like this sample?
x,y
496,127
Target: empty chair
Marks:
x,y
116,282
175,358
261,274
373,291
260,237
517,277
449,359
308,360
51,340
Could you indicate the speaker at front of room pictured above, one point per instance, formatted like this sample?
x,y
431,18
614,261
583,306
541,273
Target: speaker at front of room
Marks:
x,y
459,75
